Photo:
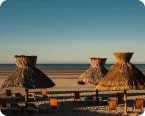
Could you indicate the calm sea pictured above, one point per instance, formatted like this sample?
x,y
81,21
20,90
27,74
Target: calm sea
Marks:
x,y
108,66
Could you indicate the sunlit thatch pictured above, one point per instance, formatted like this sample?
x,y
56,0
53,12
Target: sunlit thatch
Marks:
x,y
95,73
123,75
27,75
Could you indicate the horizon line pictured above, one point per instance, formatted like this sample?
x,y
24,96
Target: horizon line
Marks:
x,y
74,63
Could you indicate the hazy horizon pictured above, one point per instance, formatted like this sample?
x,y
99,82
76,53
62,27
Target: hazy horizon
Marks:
x,y
72,31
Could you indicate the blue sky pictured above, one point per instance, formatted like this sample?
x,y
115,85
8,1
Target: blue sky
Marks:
x,y
71,31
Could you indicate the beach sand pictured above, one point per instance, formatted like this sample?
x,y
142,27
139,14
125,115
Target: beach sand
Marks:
x,y
66,80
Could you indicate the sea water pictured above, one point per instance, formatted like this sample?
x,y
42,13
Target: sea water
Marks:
x,y
108,66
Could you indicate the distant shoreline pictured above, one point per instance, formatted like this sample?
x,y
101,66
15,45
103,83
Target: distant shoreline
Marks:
x,y
87,65
53,73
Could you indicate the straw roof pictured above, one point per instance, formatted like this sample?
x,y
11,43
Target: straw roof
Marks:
x,y
27,75
123,75
95,73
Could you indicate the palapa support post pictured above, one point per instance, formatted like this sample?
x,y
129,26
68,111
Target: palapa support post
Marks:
x,y
125,103
97,100
95,73
26,97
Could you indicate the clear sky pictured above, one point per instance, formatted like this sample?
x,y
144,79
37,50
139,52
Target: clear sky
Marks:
x,y
71,31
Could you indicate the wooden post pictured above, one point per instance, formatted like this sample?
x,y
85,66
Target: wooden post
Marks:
x,y
97,100
26,97
125,103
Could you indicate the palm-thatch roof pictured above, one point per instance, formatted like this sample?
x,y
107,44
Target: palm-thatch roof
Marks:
x,y
95,73
27,75
123,75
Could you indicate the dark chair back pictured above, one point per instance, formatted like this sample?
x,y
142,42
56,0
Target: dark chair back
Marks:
x,y
77,94
3,102
8,92
119,96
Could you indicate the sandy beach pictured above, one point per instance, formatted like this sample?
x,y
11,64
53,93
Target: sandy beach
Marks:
x,y
66,80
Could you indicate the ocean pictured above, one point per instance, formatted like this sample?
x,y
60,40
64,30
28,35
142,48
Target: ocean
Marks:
x,y
108,66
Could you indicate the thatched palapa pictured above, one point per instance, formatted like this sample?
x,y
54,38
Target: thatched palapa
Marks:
x,y
123,75
95,73
27,75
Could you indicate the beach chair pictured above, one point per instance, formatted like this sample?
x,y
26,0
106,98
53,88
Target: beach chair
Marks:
x,y
8,93
138,104
32,96
18,96
31,108
3,105
89,99
42,107
14,107
53,104
104,100
44,94
77,96
112,104
119,97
